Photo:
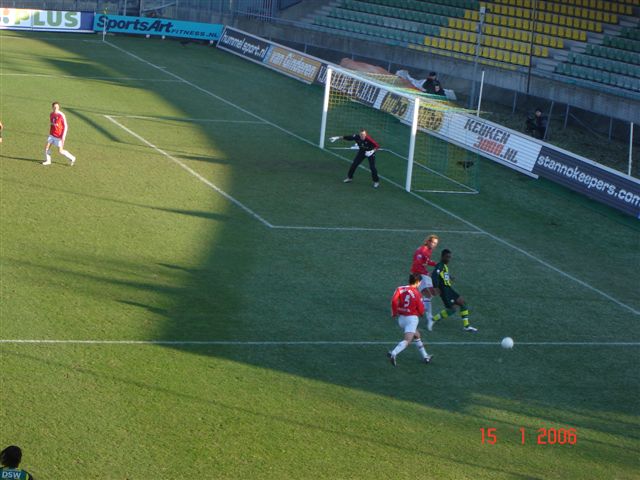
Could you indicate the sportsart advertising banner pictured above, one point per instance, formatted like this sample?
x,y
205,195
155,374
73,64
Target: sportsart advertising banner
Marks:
x,y
45,20
272,55
593,180
157,27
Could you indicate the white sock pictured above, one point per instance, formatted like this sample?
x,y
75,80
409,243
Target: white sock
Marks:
x,y
400,347
68,155
420,345
47,155
427,307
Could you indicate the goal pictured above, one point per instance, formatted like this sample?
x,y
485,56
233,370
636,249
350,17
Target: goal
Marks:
x,y
406,124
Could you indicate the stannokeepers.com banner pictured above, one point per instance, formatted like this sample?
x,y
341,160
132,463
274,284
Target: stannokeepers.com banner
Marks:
x,y
157,27
45,20
595,181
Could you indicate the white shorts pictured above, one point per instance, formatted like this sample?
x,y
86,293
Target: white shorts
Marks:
x,y
54,141
426,282
409,323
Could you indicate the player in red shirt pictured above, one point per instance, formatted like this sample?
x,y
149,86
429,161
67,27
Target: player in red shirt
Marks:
x,y
57,134
422,260
407,307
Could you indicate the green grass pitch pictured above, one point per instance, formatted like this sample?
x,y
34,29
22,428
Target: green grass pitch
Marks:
x,y
128,245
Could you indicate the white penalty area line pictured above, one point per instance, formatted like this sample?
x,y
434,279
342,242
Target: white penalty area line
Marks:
x,y
496,238
188,120
372,229
260,218
303,343
191,171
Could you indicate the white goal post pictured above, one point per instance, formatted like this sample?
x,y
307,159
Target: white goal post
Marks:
x,y
404,123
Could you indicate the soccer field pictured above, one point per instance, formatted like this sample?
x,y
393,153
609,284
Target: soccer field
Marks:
x,y
201,296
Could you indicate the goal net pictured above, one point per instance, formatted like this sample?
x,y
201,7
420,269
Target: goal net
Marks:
x,y
412,152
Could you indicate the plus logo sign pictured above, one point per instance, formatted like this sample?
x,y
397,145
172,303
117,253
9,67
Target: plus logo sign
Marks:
x,y
5,19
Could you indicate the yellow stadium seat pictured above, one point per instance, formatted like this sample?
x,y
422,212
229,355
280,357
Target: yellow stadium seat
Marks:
x,y
427,41
442,43
500,56
575,34
473,38
492,54
505,44
464,48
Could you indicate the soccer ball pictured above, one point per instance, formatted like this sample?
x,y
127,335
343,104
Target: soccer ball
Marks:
x,y
147,36
507,342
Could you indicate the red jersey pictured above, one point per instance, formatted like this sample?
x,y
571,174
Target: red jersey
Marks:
x,y
421,256
58,125
407,300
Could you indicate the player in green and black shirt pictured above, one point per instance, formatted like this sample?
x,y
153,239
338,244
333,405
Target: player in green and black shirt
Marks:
x,y
10,459
442,281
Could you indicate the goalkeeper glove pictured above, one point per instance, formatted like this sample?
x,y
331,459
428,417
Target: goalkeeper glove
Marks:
x,y
368,153
333,139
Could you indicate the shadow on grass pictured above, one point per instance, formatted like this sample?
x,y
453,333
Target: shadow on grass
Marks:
x,y
207,305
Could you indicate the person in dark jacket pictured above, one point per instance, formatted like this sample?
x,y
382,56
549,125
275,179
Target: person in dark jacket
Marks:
x,y
429,85
367,147
537,125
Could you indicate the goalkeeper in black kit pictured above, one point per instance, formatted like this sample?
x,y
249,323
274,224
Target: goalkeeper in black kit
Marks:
x,y
367,147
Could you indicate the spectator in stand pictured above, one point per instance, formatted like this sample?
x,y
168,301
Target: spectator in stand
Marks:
x,y
438,90
429,85
537,125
